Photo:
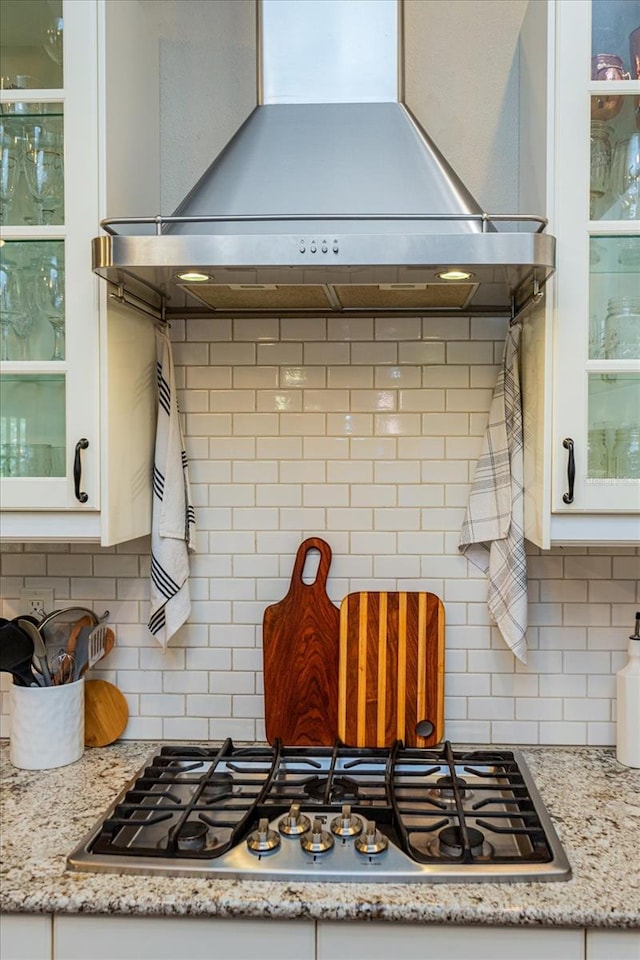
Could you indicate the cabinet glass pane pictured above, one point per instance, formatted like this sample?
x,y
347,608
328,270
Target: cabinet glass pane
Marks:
x,y
31,164
31,43
614,192
614,40
614,298
32,300
32,426
614,426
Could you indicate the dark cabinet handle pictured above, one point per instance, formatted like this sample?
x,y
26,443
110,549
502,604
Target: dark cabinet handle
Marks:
x,y
568,444
77,470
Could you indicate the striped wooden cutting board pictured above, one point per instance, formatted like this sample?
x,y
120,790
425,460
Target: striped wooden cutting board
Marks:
x,y
391,669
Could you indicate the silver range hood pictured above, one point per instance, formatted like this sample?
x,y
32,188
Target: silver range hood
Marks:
x,y
330,198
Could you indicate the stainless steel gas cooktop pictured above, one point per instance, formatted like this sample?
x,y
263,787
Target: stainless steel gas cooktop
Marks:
x,y
328,814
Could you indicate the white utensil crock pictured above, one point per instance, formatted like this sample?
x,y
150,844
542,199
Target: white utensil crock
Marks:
x,y
47,725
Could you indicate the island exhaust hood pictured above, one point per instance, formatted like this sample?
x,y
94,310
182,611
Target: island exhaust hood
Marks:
x,y
330,198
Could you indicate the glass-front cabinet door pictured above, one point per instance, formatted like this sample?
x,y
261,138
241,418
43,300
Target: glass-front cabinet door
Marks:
x,y
597,375
48,297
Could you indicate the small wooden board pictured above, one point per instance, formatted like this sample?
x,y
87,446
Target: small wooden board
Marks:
x,y
300,649
106,713
391,668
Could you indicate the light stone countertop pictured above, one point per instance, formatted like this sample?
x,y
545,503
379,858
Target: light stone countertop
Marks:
x,y
594,803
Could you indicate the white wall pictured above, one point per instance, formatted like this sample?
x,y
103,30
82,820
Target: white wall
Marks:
x,y
461,78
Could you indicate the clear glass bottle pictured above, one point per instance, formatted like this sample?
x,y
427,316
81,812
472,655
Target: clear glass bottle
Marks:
x,y
601,154
626,453
623,329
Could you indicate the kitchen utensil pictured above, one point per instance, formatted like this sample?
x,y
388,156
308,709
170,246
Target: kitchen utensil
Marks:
x,y
66,669
100,642
391,669
300,647
93,644
39,648
69,615
105,713
16,652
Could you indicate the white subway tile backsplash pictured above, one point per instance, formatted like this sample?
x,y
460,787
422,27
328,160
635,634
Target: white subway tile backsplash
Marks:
x,y
599,734
365,433
563,685
205,705
539,708
586,662
514,732
469,731
588,567
587,709
425,352
470,352
490,708
162,705
184,728
562,732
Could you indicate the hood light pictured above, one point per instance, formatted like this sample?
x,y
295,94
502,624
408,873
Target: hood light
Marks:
x,y
454,275
192,277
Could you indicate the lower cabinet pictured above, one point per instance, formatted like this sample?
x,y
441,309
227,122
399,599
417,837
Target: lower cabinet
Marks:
x,y
613,945
25,936
181,938
371,941
41,937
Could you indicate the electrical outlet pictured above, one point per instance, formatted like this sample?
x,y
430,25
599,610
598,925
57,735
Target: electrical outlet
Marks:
x,y
36,601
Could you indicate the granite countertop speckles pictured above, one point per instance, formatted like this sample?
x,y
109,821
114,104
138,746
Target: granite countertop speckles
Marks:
x,y
594,803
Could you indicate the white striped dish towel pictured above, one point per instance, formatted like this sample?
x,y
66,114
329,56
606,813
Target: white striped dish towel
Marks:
x,y
492,534
173,519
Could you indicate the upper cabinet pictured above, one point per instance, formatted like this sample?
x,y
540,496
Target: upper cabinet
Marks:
x,y
86,88
581,364
76,371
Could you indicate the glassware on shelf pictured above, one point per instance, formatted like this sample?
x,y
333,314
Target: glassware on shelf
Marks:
x,y
626,453
622,336
49,298
607,66
19,459
9,172
600,163
52,39
10,304
43,171
597,455
625,176
634,53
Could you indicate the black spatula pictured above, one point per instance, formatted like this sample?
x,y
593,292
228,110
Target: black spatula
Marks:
x,y
16,652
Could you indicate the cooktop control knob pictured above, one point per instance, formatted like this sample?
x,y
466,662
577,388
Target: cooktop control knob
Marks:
x,y
346,825
372,841
316,840
294,823
263,840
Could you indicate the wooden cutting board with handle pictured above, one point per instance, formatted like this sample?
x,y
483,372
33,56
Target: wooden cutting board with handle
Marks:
x,y
300,649
391,669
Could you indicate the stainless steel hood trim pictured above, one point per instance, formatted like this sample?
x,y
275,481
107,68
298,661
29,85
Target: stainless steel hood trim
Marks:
x,y
510,263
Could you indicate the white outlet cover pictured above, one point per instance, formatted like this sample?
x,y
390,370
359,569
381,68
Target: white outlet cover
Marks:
x,y
36,601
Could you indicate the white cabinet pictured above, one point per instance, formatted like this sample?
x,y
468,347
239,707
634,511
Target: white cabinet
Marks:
x,y
25,936
76,371
72,937
189,938
370,941
613,945
581,351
